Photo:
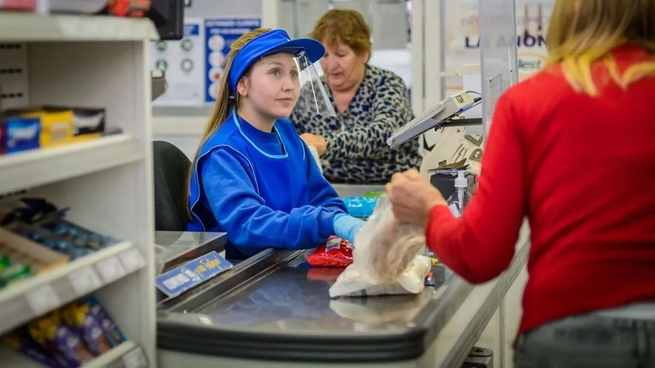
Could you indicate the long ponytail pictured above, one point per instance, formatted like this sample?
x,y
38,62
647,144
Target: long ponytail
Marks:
x,y
222,108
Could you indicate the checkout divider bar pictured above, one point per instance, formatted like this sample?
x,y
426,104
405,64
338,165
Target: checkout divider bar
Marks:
x,y
239,276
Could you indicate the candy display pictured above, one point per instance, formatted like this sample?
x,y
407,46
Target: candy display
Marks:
x,y
13,270
56,126
21,341
113,334
42,223
68,337
336,252
35,237
44,127
60,339
87,325
21,258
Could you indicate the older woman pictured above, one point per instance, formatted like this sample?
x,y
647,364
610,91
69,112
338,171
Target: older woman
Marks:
x,y
370,103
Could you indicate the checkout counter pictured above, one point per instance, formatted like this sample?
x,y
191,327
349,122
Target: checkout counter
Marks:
x,y
273,310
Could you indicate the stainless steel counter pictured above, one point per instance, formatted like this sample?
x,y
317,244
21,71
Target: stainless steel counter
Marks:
x,y
274,308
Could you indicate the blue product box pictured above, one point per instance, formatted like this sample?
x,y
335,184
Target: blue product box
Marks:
x,y
21,134
2,136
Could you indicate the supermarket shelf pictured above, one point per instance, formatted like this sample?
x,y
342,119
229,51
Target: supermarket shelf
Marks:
x,y
26,300
29,27
10,358
157,83
44,166
125,355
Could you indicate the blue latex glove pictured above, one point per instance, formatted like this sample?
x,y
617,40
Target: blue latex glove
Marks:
x,y
346,226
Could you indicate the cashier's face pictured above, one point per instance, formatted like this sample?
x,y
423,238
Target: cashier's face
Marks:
x,y
343,68
272,86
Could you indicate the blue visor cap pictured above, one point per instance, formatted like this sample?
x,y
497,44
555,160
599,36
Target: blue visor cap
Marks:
x,y
269,43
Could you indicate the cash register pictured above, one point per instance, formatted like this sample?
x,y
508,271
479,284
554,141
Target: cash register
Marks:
x,y
447,113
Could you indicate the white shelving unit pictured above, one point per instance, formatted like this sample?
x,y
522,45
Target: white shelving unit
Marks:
x,y
87,61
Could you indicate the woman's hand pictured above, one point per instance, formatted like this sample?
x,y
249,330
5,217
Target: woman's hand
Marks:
x,y
412,197
316,141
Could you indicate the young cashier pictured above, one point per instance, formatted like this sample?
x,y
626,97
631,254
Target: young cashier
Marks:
x,y
253,177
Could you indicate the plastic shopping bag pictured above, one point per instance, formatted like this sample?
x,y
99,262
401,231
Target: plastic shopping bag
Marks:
x,y
410,281
385,247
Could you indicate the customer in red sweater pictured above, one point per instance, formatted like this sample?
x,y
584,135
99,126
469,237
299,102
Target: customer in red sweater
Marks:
x,y
573,149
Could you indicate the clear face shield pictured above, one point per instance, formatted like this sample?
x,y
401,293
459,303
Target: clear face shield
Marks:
x,y
313,97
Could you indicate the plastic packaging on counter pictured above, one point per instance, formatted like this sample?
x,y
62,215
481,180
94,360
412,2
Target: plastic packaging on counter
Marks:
x,y
411,281
385,247
336,252
360,207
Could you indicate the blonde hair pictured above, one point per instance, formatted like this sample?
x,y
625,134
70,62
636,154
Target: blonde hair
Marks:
x,y
582,32
224,105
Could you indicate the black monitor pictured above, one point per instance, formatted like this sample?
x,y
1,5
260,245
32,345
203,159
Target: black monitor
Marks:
x,y
168,16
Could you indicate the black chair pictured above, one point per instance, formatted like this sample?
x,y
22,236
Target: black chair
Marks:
x,y
170,168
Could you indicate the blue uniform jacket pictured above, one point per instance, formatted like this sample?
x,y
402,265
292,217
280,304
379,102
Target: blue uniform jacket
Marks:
x,y
264,189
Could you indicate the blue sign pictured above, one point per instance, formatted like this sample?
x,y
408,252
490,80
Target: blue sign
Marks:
x,y
191,274
191,29
220,33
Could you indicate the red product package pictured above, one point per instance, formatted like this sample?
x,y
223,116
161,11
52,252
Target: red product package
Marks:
x,y
336,252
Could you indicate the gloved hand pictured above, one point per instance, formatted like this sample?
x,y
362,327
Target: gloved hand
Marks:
x,y
346,226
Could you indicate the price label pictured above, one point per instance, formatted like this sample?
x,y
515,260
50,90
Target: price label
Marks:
x,y
132,260
110,269
42,300
135,359
85,280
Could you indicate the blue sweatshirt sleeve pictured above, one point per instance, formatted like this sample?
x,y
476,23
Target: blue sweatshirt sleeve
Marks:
x,y
251,226
321,192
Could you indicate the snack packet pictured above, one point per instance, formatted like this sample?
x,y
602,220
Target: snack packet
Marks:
x,y
79,317
52,333
336,252
113,334
20,341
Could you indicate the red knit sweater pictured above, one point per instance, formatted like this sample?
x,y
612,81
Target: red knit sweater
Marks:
x,y
582,170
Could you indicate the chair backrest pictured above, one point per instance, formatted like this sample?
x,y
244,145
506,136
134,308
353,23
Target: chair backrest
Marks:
x,y
170,169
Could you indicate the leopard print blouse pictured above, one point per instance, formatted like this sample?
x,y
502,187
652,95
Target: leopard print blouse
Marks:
x,y
357,150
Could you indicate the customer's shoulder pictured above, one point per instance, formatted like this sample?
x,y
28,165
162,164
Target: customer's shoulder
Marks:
x,y
549,83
